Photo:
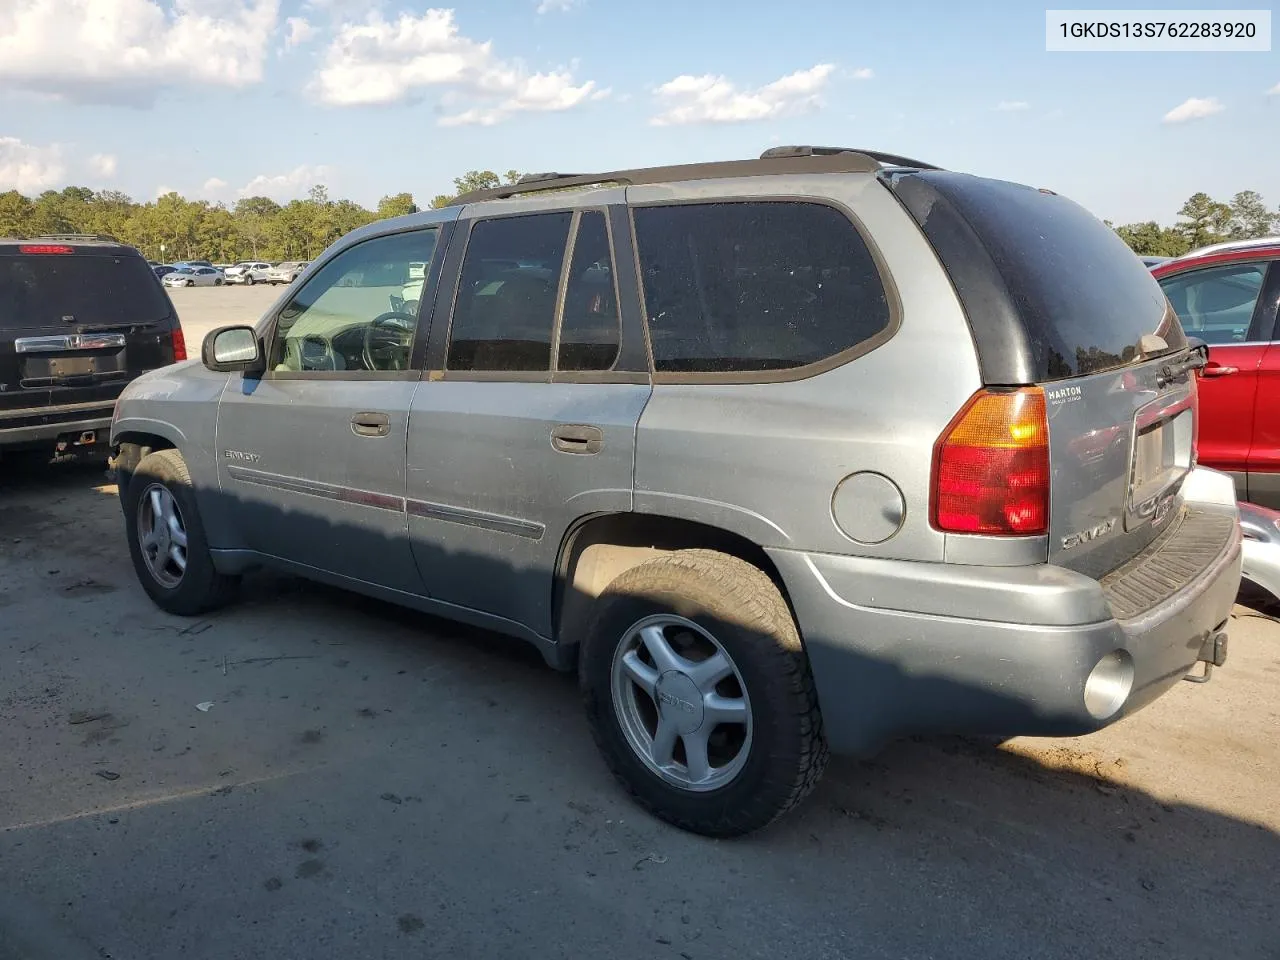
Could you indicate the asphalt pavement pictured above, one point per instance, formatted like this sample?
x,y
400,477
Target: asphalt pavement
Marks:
x,y
308,774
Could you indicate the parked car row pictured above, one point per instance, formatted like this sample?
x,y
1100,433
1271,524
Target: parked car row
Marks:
x,y
198,273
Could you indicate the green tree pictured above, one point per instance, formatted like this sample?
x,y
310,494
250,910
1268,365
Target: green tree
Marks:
x,y
1152,240
1207,220
1250,217
396,205
15,214
253,216
475,180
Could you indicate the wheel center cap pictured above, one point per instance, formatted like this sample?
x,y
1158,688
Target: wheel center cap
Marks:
x,y
680,701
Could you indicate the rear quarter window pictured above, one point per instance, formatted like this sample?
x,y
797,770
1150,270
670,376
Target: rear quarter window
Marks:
x,y
751,287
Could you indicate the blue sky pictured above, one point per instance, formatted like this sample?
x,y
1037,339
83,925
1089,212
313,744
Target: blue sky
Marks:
x,y
217,97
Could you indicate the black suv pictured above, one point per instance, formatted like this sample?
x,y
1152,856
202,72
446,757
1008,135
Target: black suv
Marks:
x,y
80,317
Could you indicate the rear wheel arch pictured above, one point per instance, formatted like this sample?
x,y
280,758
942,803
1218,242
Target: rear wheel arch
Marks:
x,y
597,549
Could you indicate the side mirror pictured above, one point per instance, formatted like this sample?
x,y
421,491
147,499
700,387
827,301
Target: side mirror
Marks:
x,y
231,349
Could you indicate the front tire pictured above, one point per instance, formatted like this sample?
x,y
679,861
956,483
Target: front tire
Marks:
x,y
699,694
166,538
248,279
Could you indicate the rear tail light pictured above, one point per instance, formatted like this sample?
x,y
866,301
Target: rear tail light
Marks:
x,y
991,466
179,345
45,248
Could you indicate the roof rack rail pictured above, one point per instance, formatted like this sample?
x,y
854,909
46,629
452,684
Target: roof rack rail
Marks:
x,y
779,160
892,159
71,237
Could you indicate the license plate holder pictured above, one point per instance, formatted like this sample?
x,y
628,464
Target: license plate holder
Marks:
x,y
1161,459
72,366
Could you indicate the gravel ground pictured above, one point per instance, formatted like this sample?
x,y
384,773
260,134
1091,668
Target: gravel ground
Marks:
x,y
368,782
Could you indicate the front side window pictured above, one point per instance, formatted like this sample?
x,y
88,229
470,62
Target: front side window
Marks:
x,y
504,313
1217,304
755,286
359,312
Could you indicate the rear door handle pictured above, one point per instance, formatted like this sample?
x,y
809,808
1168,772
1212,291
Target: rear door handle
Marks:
x,y
371,425
1217,370
577,438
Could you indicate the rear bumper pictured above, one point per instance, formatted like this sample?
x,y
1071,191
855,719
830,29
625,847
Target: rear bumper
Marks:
x,y
46,424
900,648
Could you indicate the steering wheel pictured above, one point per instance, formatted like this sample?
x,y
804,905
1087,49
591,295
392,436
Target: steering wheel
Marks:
x,y
387,339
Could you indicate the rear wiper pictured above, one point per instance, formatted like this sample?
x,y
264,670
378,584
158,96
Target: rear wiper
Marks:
x,y
1197,358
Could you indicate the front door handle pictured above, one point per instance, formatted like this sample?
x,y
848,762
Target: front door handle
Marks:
x,y
577,438
1218,370
371,425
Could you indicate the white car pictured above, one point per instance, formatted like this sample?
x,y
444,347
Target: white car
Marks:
x,y
248,272
193,277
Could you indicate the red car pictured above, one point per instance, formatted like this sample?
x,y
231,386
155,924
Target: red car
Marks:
x,y
1227,295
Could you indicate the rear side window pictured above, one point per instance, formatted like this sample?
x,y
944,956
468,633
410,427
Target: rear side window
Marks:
x,y
505,309
53,290
755,286
1050,291
1217,304
590,325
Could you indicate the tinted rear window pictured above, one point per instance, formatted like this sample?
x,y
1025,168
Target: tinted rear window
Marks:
x,y
1040,276
45,290
755,286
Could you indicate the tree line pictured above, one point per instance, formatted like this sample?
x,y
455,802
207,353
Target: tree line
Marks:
x,y
172,227
1202,221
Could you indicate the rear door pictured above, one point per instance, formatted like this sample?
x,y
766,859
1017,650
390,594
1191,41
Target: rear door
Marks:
x,y
1221,305
528,418
78,322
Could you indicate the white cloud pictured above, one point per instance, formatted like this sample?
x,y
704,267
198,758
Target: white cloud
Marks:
x,y
1196,108
162,190
27,168
284,187
1012,106
863,73
1274,91
300,31
540,93
380,61
215,188
557,6
102,165
124,50
713,99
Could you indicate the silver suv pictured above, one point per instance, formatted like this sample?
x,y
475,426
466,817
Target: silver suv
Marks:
x,y
782,455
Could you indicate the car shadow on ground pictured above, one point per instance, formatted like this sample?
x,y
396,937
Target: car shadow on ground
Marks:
x,y
945,846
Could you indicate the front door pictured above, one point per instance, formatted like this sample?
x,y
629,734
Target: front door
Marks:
x,y
1219,305
313,452
531,422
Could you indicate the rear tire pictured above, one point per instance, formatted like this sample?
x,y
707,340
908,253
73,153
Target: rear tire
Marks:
x,y
700,601
248,279
167,540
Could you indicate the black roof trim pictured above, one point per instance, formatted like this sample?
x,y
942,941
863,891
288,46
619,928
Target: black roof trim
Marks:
x,y
892,159
799,160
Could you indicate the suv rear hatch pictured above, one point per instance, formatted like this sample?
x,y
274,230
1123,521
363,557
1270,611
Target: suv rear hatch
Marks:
x,y
1056,300
77,322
